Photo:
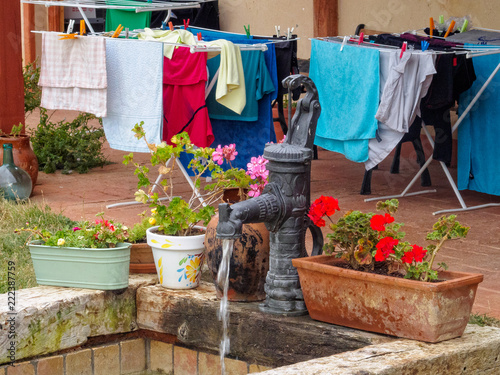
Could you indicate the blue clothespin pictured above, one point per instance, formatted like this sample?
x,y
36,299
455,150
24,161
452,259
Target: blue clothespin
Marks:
x,y
164,25
247,30
424,45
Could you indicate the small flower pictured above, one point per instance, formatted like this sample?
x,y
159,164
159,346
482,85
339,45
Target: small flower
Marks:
x,y
224,153
257,168
61,242
418,253
124,227
378,222
152,221
408,257
76,228
385,247
154,211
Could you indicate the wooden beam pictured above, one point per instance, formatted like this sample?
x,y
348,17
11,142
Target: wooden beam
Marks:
x,y
11,70
326,18
29,37
56,18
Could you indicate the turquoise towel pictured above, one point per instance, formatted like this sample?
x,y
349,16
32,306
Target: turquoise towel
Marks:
x,y
348,88
478,152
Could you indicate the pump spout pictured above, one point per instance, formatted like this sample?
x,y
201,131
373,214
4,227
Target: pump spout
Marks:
x,y
264,208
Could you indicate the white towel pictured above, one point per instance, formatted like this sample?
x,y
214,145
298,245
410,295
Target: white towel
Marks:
x,y
73,74
135,93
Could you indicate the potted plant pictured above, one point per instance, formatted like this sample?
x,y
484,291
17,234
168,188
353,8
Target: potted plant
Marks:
x,y
250,257
177,230
179,222
23,154
141,256
378,282
88,255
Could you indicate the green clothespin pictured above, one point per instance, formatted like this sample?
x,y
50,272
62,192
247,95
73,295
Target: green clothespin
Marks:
x,y
247,30
441,19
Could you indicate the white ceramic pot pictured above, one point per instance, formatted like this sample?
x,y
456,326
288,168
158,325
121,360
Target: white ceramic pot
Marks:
x,y
178,259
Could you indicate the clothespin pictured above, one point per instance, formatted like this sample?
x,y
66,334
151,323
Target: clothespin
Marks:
x,y
117,32
199,36
247,30
163,25
424,45
277,29
126,33
82,27
441,19
431,27
344,41
403,49
288,34
170,25
186,24
361,36
464,26
71,24
450,28
68,36
291,32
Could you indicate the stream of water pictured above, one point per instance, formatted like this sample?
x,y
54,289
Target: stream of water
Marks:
x,y
223,315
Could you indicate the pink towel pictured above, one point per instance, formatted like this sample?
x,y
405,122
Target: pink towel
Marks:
x,y
73,74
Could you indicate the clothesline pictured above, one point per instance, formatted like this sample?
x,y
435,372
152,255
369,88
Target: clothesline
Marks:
x,y
138,6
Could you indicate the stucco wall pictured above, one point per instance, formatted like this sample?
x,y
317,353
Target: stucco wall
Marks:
x,y
387,15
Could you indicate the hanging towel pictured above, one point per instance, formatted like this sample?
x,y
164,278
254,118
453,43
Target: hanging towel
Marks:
x,y
128,18
134,93
403,83
478,152
230,89
73,74
168,36
184,107
348,89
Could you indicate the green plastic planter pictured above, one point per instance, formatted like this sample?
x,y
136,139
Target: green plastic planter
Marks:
x,y
104,269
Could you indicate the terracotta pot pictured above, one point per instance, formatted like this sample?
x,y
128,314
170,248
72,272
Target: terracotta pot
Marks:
x,y
424,311
249,263
141,259
24,157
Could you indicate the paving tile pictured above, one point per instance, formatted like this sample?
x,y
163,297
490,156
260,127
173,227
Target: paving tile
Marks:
x,y
185,361
23,368
160,355
51,366
257,368
133,356
208,364
79,363
107,360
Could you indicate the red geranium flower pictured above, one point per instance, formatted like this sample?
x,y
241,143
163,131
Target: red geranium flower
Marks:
x,y
321,207
377,222
408,257
419,253
386,247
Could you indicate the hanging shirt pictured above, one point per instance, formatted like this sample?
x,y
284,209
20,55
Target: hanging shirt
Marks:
x,y
348,89
168,36
73,74
184,108
134,93
258,82
407,80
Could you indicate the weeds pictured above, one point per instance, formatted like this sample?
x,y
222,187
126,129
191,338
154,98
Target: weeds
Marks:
x,y
484,320
13,246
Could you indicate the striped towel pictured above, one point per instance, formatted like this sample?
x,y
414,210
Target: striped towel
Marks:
x,y
73,74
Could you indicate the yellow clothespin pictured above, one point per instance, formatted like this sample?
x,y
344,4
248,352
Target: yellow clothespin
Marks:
x,y
83,31
117,31
68,36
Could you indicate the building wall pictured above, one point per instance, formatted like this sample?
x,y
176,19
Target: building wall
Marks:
x,y
386,15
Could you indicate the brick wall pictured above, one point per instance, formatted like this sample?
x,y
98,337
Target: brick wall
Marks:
x,y
138,356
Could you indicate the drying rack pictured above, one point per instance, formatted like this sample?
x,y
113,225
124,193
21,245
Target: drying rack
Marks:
x,y
464,207
138,6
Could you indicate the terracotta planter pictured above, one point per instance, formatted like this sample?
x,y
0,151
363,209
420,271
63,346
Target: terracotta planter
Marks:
x,y
249,263
141,259
430,312
24,157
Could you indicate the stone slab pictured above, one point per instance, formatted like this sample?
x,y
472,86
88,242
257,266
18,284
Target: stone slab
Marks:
x,y
270,340
476,352
48,319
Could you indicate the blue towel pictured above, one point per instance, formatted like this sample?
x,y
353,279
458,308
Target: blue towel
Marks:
x,y
348,89
478,152
134,93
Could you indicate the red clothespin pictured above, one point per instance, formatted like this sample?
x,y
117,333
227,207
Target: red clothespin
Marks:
x,y
361,36
170,25
199,36
186,24
403,49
